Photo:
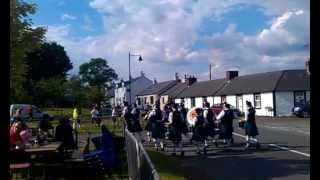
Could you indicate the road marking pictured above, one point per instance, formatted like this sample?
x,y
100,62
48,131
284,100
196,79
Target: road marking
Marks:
x,y
274,145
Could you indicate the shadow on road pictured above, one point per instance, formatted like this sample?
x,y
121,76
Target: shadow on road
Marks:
x,y
245,167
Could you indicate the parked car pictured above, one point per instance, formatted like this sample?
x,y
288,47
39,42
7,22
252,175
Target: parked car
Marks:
x,y
217,108
36,113
302,111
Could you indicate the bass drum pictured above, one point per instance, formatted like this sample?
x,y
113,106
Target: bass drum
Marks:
x,y
191,116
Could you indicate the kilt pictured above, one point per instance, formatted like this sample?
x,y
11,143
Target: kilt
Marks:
x,y
251,129
134,126
210,130
175,134
199,134
158,130
226,131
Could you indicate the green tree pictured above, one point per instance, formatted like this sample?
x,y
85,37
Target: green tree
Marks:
x,y
23,38
76,91
49,61
50,92
96,95
97,73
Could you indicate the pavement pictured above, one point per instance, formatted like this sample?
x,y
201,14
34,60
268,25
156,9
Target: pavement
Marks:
x,y
284,154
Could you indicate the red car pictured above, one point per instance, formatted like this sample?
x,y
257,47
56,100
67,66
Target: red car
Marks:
x,y
217,108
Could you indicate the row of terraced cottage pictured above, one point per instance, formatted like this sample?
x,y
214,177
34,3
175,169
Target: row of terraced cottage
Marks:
x,y
272,93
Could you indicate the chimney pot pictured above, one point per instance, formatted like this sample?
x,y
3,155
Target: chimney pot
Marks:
x,y
231,75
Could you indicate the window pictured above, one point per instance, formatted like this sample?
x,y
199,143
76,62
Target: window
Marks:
x,y
139,101
162,100
151,99
145,100
299,98
204,100
223,99
239,102
193,102
257,101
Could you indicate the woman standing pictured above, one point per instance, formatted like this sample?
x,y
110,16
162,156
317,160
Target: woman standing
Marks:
x,y
250,126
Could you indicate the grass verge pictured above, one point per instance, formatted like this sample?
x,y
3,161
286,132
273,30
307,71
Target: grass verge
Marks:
x,y
168,167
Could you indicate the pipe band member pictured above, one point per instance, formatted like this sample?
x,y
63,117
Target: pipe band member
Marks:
x,y
176,125
250,126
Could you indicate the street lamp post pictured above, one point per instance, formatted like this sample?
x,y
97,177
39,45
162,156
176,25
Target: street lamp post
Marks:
x,y
140,59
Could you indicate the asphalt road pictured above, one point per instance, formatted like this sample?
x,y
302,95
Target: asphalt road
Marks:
x,y
284,154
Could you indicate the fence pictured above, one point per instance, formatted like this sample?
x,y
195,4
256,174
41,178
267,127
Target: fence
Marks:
x,y
140,166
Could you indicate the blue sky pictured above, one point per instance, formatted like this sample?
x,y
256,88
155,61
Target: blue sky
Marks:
x,y
180,35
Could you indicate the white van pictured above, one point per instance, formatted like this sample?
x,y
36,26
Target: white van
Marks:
x,y
37,113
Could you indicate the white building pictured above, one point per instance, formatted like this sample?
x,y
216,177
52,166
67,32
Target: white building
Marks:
x,y
271,93
121,92
198,92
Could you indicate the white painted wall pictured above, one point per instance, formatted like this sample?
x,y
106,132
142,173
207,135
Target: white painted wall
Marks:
x,y
178,101
308,96
198,102
121,93
266,101
210,100
231,100
216,100
139,85
187,102
247,97
284,103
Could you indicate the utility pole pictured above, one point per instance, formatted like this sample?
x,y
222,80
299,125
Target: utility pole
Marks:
x,y
210,71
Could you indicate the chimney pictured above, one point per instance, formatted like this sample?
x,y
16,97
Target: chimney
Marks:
x,y
231,75
176,77
190,80
154,81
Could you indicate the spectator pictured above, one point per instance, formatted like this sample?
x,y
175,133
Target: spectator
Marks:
x,y
64,133
15,138
114,115
44,124
95,116
76,117
30,112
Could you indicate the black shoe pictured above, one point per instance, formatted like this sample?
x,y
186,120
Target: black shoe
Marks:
x,y
216,143
231,141
173,154
198,152
205,151
258,146
182,153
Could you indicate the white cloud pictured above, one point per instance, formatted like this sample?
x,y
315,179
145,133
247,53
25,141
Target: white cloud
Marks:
x,y
164,32
65,17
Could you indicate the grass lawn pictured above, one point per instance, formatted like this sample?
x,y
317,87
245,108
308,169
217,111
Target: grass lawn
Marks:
x,y
168,167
